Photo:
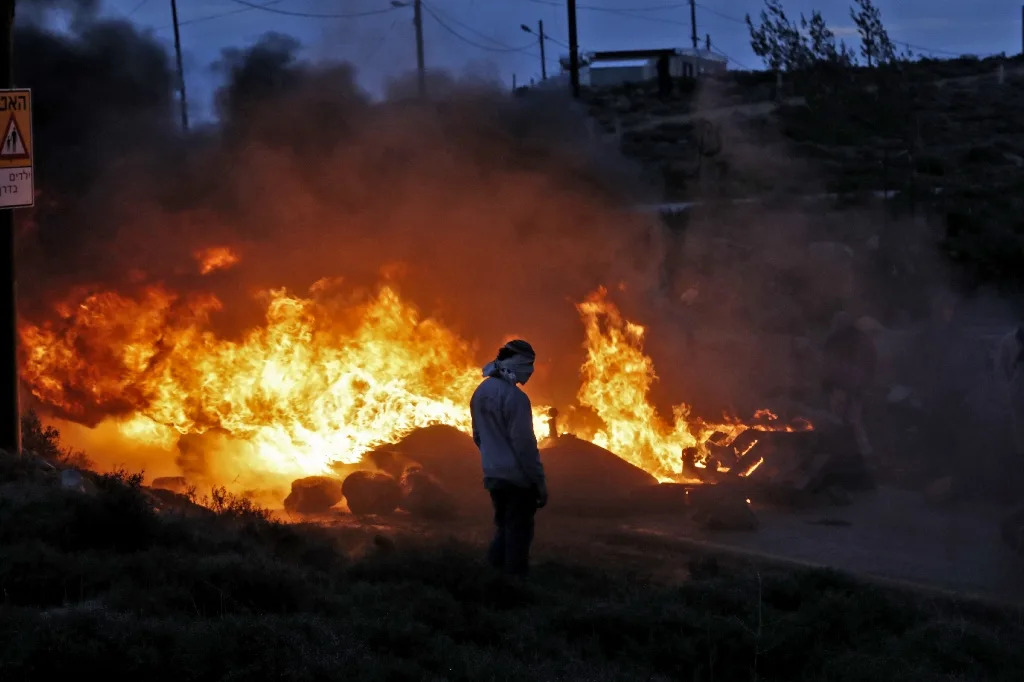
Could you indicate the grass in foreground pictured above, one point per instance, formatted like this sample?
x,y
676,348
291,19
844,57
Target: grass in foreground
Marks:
x,y
103,584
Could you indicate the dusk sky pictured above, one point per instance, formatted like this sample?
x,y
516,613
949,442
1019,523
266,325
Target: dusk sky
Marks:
x,y
484,37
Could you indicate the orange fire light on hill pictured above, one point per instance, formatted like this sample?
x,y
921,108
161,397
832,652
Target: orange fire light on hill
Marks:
x,y
319,383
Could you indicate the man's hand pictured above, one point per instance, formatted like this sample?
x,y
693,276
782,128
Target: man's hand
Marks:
x,y
542,496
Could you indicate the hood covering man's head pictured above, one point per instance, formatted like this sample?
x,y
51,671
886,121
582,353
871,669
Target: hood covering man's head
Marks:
x,y
514,362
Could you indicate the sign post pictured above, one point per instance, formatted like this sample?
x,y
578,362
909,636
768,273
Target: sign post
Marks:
x,y
16,190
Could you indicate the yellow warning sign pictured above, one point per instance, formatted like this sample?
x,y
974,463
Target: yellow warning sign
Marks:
x,y
16,181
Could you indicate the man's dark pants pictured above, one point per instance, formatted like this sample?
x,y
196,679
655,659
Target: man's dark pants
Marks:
x,y
514,509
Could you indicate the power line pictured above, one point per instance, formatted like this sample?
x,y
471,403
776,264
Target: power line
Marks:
x,y
711,10
219,15
379,42
556,41
137,7
734,61
470,41
597,8
312,15
475,31
930,49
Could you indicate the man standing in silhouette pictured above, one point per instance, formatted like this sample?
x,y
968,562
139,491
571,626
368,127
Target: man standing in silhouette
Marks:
x,y
513,473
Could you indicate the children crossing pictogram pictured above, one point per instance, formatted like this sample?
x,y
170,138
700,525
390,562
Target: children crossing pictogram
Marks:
x,y
13,144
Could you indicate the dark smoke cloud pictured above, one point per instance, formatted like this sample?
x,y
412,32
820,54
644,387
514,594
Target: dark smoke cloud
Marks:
x,y
495,213
102,106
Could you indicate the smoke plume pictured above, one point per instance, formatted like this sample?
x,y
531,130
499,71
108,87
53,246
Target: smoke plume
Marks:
x,y
495,214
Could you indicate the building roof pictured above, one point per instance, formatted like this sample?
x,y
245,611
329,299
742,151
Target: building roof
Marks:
x,y
649,53
608,64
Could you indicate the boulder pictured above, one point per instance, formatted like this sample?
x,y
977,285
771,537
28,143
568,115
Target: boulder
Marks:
x,y
423,495
169,502
314,494
581,473
176,484
371,492
444,452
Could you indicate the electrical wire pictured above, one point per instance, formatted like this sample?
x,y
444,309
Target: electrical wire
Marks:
x,y
727,17
469,41
597,8
137,7
469,28
556,41
209,17
932,50
313,15
734,61
380,42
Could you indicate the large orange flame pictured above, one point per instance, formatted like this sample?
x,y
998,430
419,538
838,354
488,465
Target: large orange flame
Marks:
x,y
317,385
320,383
617,377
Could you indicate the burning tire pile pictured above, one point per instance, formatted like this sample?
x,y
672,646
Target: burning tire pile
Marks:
x,y
434,474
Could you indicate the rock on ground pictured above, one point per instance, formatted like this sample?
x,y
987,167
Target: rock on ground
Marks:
x,y
314,494
371,492
423,495
176,484
444,452
581,473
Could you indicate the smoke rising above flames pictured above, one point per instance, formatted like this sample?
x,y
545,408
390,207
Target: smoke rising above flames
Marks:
x,y
319,272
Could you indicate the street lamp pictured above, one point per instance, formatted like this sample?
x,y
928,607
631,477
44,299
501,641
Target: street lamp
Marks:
x,y
540,37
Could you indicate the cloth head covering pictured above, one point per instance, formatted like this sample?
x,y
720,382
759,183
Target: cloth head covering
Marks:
x,y
514,362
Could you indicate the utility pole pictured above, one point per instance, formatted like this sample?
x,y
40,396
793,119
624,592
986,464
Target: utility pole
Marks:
x,y
10,422
543,60
574,51
421,71
693,23
181,69
540,36
1022,29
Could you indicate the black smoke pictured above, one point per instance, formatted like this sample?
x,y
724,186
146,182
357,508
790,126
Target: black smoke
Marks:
x,y
495,213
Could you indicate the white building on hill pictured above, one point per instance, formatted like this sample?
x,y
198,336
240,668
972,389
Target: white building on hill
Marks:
x,y
615,67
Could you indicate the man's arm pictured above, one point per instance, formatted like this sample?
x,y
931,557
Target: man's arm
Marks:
x,y
523,440
472,416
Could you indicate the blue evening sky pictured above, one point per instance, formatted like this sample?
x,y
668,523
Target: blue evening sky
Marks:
x,y
483,37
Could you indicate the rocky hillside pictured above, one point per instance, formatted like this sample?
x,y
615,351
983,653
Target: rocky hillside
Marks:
x,y
945,139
